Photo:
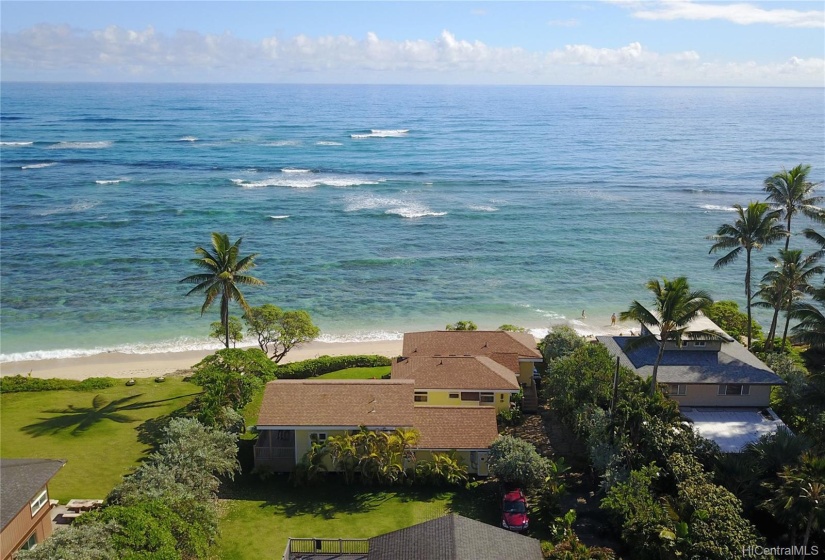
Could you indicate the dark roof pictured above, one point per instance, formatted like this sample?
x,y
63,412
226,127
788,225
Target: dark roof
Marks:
x,y
453,537
20,480
733,363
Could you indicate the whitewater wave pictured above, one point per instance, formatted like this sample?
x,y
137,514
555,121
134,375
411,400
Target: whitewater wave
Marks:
x,y
715,208
377,133
281,217
306,181
293,170
38,165
282,143
392,206
78,206
188,139
80,145
16,144
110,181
361,336
328,143
483,208
182,344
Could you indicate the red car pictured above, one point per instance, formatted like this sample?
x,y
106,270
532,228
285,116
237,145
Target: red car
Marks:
x,y
514,511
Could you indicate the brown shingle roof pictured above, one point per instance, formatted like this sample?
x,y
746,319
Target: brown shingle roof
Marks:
x,y
476,372
469,343
371,403
455,427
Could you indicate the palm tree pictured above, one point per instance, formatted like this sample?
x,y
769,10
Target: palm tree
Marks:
x,y
792,193
811,327
772,296
675,307
793,274
755,227
225,273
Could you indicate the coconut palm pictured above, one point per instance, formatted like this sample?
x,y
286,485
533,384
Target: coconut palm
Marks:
x,y
225,271
772,296
793,273
674,308
792,193
755,227
811,327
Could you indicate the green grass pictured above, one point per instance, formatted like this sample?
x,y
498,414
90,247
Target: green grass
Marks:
x,y
101,440
274,510
357,373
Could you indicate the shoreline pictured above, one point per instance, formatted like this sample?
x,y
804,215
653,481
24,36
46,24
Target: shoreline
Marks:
x,y
121,365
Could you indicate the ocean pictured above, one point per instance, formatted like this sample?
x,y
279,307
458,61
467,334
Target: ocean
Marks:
x,y
379,209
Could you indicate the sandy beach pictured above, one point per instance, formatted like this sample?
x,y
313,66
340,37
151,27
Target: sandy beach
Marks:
x,y
116,364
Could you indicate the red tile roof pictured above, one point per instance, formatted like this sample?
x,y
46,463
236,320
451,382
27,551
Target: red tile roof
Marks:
x,y
476,372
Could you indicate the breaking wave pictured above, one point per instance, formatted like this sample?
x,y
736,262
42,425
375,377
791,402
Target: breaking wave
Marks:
x,y
376,133
38,165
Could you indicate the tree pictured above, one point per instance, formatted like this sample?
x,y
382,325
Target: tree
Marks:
x,y
793,273
772,296
225,272
561,341
755,227
675,306
792,193
811,327
462,326
89,541
517,462
507,327
278,330
730,319
235,331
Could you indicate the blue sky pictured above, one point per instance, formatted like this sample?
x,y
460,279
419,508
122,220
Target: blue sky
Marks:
x,y
617,42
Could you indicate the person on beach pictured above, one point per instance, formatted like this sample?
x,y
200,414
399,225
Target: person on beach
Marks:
x,y
583,315
613,320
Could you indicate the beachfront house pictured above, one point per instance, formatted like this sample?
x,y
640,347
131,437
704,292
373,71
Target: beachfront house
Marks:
x,y
458,381
450,537
296,413
515,351
720,386
25,507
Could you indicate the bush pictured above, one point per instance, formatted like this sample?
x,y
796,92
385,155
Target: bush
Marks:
x,y
21,384
510,417
516,462
730,319
328,364
561,341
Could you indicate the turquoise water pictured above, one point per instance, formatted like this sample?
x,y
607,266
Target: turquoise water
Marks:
x,y
379,209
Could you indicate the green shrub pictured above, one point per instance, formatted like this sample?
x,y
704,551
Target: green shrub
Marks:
x,y
510,417
21,384
328,364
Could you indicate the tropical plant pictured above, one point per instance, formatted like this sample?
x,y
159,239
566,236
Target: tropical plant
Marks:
x,y
343,451
279,331
793,274
730,319
771,296
810,329
507,327
312,464
235,331
462,326
442,468
225,272
675,306
755,227
559,342
516,461
792,193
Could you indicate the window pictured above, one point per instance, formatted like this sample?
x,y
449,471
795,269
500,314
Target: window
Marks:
x,y
487,398
469,397
318,437
676,389
420,396
31,543
699,343
41,500
734,389
454,395
501,397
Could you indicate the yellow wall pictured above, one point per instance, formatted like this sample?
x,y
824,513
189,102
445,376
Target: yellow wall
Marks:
x,y
525,375
442,398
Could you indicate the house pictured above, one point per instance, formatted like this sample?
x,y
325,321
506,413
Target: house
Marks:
x,y
721,387
24,503
701,372
296,413
458,380
450,537
515,351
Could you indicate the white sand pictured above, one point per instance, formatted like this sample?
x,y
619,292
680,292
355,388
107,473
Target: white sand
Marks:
x,y
116,364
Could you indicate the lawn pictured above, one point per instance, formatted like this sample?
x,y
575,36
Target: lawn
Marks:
x,y
102,438
258,516
357,373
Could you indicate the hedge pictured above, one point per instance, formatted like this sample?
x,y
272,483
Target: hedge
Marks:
x,y
20,384
328,364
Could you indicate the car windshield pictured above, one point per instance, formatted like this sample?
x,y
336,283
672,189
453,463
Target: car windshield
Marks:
x,y
515,507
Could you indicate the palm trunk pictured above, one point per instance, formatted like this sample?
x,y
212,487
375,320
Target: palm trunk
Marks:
x,y
654,384
787,322
807,533
772,331
748,293
225,318
788,238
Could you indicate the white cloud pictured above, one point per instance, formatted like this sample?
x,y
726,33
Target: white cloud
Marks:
x,y
47,52
563,22
740,13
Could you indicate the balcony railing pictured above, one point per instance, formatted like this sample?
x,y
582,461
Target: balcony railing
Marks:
x,y
305,547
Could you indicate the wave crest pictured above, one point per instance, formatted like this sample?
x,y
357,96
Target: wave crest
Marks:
x,y
39,165
80,145
378,133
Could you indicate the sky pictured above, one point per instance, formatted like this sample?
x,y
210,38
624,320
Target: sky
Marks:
x,y
610,42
